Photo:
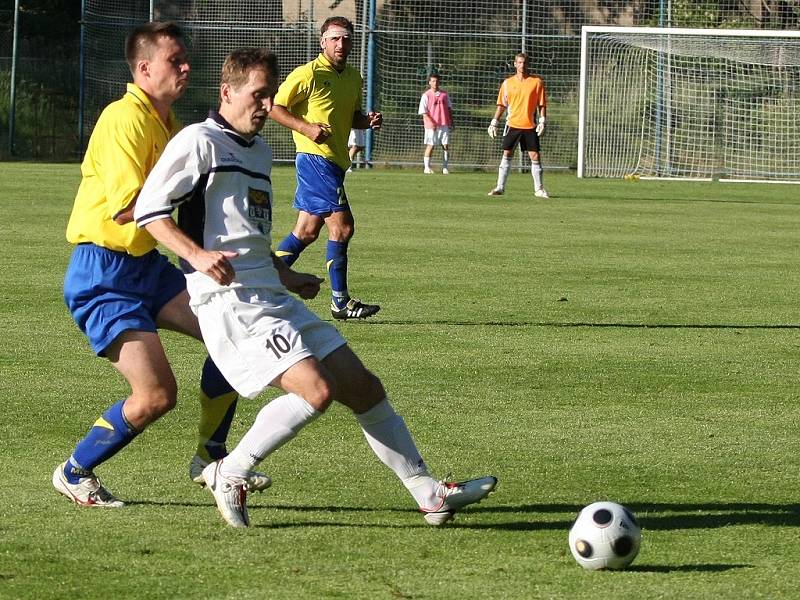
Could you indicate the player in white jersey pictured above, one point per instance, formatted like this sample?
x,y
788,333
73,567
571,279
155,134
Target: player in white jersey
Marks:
x,y
218,172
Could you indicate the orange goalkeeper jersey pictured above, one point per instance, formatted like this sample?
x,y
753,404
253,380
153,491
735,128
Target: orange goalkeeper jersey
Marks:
x,y
522,99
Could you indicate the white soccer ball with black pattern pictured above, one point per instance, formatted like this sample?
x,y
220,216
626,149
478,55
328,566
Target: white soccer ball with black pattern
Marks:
x,y
605,535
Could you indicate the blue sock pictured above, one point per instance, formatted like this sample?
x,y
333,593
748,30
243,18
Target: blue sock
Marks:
x,y
212,381
336,262
289,249
109,434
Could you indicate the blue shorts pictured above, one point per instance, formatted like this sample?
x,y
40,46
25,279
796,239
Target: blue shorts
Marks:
x,y
320,185
109,292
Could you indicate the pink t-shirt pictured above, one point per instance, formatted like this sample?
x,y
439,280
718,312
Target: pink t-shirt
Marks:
x,y
438,109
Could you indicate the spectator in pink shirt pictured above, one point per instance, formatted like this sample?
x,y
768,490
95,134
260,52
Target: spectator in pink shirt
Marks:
x,y
437,118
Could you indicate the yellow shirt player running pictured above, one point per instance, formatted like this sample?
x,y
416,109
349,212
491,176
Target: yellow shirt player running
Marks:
x,y
523,96
119,289
320,102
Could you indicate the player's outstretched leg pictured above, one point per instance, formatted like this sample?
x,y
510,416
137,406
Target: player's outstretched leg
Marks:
x,y
388,436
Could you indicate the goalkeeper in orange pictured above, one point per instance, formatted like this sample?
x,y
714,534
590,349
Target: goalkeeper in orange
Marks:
x,y
523,96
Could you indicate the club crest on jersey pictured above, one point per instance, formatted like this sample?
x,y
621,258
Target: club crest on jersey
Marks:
x,y
259,207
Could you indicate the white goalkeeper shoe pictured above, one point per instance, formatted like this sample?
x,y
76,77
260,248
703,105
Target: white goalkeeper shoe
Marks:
x,y
541,193
87,492
230,494
445,171
454,496
256,482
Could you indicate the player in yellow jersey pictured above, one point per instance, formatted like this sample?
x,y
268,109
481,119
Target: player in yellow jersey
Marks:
x,y
320,102
523,96
118,287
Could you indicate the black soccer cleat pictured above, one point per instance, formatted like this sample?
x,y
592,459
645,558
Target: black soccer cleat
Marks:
x,y
354,309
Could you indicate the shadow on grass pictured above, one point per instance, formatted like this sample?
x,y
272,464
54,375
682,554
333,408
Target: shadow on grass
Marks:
x,y
663,516
653,517
711,568
579,324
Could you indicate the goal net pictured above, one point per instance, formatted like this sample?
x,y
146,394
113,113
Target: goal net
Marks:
x,y
689,103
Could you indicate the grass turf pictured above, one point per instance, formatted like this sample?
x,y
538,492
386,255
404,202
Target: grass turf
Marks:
x,y
632,341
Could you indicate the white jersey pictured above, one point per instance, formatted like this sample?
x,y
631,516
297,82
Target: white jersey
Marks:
x,y
221,182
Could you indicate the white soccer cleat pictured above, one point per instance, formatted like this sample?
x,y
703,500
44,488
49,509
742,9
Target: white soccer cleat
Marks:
x,y
256,482
230,494
445,172
87,492
454,496
541,193
496,192
428,171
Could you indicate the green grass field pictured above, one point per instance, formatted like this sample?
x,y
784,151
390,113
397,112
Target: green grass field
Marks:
x,y
631,341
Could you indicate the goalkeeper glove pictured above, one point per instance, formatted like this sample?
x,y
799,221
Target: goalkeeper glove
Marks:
x,y
540,127
492,130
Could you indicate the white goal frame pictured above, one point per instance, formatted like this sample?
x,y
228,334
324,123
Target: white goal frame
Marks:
x,y
788,170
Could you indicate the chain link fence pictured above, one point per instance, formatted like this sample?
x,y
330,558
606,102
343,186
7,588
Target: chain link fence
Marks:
x,y
470,43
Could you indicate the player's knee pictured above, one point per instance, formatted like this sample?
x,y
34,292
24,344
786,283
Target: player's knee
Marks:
x,y
376,389
145,406
320,395
363,392
163,400
342,233
307,236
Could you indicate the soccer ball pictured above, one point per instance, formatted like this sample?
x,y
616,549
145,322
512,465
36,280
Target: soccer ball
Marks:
x,y
605,535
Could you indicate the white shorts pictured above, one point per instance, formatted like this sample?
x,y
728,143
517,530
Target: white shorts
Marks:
x,y
437,137
254,335
358,137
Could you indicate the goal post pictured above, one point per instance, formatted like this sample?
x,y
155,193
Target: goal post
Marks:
x,y
689,103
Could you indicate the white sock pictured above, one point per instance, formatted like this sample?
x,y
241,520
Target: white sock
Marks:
x,y
276,423
536,172
427,162
390,440
445,159
502,172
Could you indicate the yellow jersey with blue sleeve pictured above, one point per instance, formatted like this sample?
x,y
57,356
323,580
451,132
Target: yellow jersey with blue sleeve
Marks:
x,y
126,142
318,93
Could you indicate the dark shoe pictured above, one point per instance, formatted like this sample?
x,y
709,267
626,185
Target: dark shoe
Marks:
x,y
354,309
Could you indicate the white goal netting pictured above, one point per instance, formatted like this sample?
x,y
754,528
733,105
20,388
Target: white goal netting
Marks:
x,y
683,103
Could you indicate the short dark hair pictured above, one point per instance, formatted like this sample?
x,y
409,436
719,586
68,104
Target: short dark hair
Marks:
x,y
340,21
239,63
141,41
